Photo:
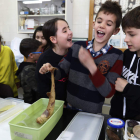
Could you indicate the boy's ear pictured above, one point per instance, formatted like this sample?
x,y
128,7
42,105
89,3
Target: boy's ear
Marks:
x,y
53,39
93,24
116,31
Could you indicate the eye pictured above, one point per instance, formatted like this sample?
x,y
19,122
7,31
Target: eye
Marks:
x,y
98,21
132,35
64,31
108,24
37,37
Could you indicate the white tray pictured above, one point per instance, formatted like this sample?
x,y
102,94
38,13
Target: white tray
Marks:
x,y
84,126
126,136
17,106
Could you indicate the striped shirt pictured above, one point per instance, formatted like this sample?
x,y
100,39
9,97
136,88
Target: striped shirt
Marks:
x,y
85,91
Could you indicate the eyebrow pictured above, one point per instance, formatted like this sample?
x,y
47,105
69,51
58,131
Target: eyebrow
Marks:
x,y
107,21
130,31
65,28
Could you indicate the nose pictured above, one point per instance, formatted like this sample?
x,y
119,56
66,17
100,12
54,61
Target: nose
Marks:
x,y
70,32
102,25
126,39
39,40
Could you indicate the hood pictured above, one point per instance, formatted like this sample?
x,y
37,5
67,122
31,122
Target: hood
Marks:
x,y
136,73
22,65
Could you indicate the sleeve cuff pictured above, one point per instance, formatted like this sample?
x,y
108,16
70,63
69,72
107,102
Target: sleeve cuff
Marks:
x,y
126,88
97,79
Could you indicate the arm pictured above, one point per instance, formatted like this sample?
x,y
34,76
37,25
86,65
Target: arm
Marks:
x,y
104,84
15,68
29,85
63,67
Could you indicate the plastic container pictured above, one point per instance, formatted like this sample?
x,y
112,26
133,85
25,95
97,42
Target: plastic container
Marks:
x,y
53,9
126,130
63,7
24,126
84,126
15,99
9,108
46,10
115,129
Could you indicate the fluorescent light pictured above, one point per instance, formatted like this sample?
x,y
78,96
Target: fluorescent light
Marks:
x,y
34,2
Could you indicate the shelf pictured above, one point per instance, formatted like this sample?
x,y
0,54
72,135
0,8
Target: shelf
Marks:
x,y
42,18
51,15
26,31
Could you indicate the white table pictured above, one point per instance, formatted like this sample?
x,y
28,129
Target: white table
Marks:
x,y
5,128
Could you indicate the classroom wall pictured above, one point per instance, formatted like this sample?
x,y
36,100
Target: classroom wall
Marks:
x,y
8,21
9,17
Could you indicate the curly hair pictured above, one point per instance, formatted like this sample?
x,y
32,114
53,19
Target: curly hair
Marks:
x,y
112,7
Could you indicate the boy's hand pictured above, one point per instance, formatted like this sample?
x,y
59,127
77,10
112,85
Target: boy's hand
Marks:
x,y
18,85
87,60
46,68
120,84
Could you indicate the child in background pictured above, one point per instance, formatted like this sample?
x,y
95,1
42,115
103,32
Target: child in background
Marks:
x,y
38,35
59,40
8,68
31,49
126,102
93,72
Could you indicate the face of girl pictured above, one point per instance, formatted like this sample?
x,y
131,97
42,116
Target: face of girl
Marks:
x,y
39,36
63,35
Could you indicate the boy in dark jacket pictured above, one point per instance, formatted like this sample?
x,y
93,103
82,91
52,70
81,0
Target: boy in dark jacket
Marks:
x,y
126,101
31,49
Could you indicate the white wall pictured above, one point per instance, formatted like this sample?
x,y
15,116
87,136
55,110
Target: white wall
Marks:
x,y
8,21
9,17
81,18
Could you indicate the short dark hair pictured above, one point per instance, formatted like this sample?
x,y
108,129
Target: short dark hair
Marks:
x,y
112,7
132,19
29,45
50,29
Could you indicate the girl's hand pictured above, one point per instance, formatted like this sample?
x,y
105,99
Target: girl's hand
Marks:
x,y
87,60
46,68
120,84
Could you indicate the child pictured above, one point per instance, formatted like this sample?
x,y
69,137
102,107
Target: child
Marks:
x,y
8,68
90,83
59,39
31,49
38,35
126,102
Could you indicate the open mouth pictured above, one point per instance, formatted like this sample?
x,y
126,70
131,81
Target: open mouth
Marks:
x,y
69,39
129,46
100,33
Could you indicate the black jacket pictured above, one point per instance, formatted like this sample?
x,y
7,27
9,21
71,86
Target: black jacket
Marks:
x,y
26,74
130,72
44,81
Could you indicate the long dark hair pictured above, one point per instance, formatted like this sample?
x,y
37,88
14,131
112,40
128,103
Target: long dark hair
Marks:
x,y
50,29
39,29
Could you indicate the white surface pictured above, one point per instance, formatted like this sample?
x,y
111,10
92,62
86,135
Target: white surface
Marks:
x,y
126,136
16,108
84,126
5,128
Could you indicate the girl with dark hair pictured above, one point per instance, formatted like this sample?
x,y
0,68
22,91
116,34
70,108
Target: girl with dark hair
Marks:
x,y
59,39
38,35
